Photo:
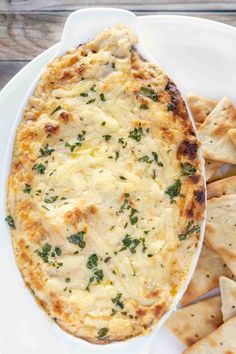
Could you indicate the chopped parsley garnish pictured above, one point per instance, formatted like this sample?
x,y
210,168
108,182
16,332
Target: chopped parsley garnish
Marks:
x,y
113,65
142,239
51,199
156,159
45,151
107,259
136,133
117,155
145,159
57,251
133,218
103,99
67,280
143,106
80,138
56,109
187,169
116,300
77,239
130,243
91,101
44,253
27,188
125,205
150,255
122,142
39,168
84,94
123,178
91,279
190,229
92,261
98,274
48,255
150,93
174,190
148,160
102,332
107,137
103,123
10,221
93,88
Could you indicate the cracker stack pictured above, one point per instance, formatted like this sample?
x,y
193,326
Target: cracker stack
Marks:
x,y
209,326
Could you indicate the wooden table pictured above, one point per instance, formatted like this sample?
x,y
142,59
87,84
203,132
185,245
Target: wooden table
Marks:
x,y
28,27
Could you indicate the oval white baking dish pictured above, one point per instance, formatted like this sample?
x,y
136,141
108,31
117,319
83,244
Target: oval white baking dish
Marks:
x,y
93,21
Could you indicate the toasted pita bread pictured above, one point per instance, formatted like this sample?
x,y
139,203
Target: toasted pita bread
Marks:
x,y
206,276
220,232
224,186
213,133
211,168
232,135
221,341
224,171
191,323
200,107
228,297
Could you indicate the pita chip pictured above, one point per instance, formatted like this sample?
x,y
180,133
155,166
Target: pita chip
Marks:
x,y
222,187
228,297
220,232
213,133
221,341
206,276
193,322
211,168
200,107
232,135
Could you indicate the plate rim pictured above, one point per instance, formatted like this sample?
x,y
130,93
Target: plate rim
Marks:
x,y
168,17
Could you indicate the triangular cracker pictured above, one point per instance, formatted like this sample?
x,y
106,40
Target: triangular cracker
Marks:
x,y
191,323
213,133
220,231
206,276
200,106
221,341
232,135
228,297
211,168
222,187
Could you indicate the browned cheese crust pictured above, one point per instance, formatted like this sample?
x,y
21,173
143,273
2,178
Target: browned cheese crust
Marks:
x,y
105,191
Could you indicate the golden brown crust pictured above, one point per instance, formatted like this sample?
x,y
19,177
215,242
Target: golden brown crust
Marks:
x,y
104,158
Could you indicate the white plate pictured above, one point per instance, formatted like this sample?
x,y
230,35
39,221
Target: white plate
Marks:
x,y
200,55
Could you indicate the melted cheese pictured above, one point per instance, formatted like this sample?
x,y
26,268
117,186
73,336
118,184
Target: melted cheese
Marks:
x,y
102,191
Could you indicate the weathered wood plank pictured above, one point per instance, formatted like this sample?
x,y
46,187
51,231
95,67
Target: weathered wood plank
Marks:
x,y
8,69
151,5
24,35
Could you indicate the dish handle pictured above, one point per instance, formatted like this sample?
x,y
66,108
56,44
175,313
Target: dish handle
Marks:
x,y
83,25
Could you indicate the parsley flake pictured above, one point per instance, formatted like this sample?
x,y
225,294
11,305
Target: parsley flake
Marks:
x,y
190,229
77,239
10,221
187,169
150,93
174,190
136,133
27,188
39,168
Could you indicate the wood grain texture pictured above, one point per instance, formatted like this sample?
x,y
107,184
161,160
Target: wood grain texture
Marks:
x,y
24,35
8,69
151,5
